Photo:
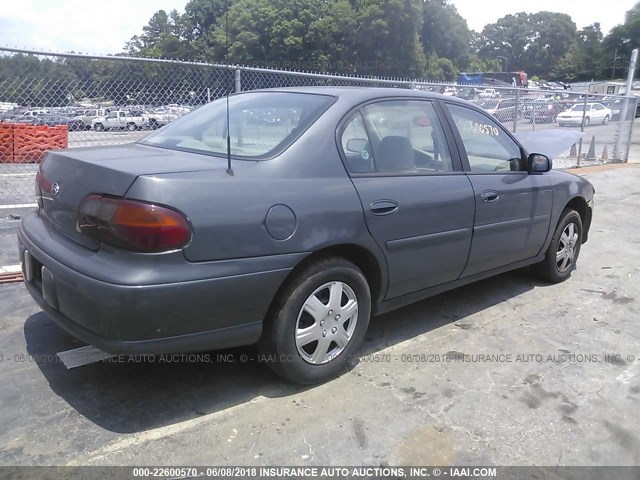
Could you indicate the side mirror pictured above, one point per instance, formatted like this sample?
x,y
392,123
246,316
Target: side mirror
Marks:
x,y
538,163
357,145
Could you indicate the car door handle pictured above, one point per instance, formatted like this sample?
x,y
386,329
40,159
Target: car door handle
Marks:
x,y
489,196
384,207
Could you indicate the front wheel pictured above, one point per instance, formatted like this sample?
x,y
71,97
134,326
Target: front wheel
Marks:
x,y
132,127
562,254
606,120
317,322
586,122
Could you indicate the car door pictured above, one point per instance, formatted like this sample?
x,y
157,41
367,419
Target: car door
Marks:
x,y
513,207
111,120
417,202
598,113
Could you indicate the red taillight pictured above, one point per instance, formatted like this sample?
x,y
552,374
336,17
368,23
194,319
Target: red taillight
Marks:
x,y
42,182
133,225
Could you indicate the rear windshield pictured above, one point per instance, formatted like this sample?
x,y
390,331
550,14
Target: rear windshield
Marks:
x,y
262,124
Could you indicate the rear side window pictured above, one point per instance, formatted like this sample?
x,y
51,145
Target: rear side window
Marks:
x,y
395,137
262,124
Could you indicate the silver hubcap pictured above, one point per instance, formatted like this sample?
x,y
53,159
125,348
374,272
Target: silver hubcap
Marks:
x,y
326,322
567,247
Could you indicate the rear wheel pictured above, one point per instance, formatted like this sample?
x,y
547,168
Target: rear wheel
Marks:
x,y
131,127
98,127
318,322
562,254
586,122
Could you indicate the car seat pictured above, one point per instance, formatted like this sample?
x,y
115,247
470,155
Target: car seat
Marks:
x,y
394,154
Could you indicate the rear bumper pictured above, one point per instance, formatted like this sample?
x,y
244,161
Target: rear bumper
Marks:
x,y
180,316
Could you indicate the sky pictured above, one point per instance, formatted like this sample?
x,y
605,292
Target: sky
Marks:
x,y
104,27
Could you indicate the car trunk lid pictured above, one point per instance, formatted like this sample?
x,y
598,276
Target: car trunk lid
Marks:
x,y
66,177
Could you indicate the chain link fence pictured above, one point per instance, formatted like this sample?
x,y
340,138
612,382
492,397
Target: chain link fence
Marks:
x,y
110,100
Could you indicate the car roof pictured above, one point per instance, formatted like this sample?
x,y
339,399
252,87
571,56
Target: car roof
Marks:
x,y
364,93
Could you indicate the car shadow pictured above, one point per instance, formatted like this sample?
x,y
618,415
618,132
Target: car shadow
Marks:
x,y
127,395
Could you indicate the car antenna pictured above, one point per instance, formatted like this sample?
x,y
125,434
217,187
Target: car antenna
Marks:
x,y
226,59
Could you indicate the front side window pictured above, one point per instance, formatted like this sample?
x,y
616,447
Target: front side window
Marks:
x,y
402,136
488,147
262,124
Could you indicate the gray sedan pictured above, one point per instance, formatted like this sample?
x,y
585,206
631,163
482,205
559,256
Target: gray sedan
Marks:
x,y
224,229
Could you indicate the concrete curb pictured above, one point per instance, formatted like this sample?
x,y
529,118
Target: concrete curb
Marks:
x,y
600,168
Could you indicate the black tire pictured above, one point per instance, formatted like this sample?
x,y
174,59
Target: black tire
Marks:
x,y
131,127
278,343
98,127
606,120
586,122
153,125
549,269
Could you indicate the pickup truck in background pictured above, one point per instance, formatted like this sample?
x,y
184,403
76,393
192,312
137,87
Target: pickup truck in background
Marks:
x,y
120,119
488,93
89,116
159,117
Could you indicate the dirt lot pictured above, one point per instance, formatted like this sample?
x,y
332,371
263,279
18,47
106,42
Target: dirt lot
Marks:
x,y
508,371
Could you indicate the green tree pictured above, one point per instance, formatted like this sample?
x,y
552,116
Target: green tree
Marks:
x,y
534,43
585,58
623,39
371,37
445,33
200,19
165,36
387,38
552,35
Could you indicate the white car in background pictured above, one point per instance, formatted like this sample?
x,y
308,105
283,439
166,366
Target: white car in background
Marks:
x,y
593,113
488,93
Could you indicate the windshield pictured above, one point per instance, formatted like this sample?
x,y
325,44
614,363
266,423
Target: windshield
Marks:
x,y
262,124
577,108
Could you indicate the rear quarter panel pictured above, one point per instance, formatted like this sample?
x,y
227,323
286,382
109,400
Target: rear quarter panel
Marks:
x,y
229,212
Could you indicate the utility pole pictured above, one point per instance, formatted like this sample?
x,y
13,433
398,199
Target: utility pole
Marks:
x,y
625,107
613,70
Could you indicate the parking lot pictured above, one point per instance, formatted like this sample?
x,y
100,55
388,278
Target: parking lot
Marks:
x,y
16,180
508,371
